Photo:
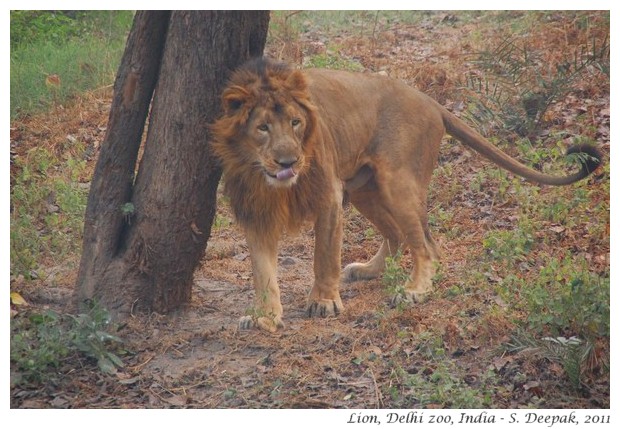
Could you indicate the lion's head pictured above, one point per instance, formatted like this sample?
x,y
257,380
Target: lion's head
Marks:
x,y
265,141
268,123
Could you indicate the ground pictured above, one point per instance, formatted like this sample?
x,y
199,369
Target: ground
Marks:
x,y
449,352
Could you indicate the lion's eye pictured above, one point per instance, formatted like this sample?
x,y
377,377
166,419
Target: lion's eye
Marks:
x,y
263,127
295,122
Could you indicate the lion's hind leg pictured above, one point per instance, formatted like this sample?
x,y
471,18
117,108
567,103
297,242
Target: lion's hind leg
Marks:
x,y
418,240
398,209
371,203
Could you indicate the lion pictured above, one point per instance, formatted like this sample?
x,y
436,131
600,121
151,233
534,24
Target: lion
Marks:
x,y
294,144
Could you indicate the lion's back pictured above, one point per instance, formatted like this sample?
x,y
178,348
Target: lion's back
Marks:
x,y
338,93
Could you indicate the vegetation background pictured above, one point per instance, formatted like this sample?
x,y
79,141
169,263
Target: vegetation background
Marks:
x,y
521,314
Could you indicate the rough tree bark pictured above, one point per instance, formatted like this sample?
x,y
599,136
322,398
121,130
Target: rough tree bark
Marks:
x,y
143,238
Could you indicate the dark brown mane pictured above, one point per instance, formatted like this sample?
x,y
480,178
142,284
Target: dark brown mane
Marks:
x,y
263,69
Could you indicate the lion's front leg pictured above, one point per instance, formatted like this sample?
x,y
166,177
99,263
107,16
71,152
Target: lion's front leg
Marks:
x,y
267,311
324,299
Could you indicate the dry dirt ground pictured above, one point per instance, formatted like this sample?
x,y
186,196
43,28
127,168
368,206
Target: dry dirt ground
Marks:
x,y
443,353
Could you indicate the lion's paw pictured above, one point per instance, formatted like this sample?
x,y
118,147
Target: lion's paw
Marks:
x,y
269,324
246,323
324,308
418,297
357,271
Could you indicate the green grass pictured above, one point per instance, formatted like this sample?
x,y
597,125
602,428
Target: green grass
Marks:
x,y
562,298
555,286
47,210
47,202
559,302
77,64
47,69
356,22
332,60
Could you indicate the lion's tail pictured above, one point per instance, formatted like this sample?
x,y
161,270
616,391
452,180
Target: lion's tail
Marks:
x,y
590,160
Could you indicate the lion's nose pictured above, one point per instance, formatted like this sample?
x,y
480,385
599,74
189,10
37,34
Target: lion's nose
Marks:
x,y
287,162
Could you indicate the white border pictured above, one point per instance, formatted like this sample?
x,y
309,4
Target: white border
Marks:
x,y
282,418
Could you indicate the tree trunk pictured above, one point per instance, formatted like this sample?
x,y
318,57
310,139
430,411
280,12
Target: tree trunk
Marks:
x,y
143,239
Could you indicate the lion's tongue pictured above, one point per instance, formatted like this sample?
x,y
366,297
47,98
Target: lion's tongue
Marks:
x,y
285,174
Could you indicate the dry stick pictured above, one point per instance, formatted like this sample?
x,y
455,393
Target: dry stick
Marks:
x,y
374,28
184,388
377,391
140,365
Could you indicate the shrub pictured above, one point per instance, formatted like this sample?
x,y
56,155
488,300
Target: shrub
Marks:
x,y
42,341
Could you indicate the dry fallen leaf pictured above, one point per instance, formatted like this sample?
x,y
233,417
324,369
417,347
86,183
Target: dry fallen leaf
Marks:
x,y
17,299
52,80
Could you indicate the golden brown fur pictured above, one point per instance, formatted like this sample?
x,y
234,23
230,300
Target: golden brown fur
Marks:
x,y
293,143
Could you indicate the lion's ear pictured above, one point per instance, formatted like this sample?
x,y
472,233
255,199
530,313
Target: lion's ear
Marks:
x,y
234,98
296,81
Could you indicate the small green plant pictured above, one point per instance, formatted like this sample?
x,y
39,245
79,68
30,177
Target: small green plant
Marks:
x,y
370,233
28,26
256,313
90,334
221,222
394,275
567,297
42,342
128,210
442,220
478,182
509,246
430,346
564,299
560,210
38,347
436,378
230,393
539,156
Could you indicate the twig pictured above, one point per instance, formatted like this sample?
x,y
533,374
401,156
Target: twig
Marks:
x,y
377,391
374,28
184,389
140,365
